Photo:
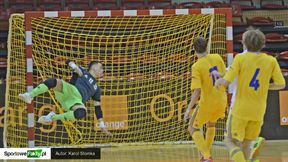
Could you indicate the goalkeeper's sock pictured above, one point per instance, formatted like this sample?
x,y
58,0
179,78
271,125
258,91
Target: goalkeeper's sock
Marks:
x,y
201,144
237,155
41,88
65,116
210,134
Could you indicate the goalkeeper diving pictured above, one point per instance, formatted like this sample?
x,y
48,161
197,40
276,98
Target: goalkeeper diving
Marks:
x,y
73,95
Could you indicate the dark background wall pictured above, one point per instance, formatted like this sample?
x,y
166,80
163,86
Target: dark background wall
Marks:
x,y
272,128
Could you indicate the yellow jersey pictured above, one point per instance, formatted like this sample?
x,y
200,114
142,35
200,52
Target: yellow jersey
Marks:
x,y
254,71
211,100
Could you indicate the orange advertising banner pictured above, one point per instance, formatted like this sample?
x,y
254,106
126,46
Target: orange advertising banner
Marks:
x,y
115,112
283,97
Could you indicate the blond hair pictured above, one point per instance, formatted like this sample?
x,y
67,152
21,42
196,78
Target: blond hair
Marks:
x,y
253,40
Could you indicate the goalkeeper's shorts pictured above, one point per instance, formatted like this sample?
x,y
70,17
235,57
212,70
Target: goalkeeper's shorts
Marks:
x,y
69,96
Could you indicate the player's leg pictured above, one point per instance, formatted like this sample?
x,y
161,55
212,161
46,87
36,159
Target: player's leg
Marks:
x,y
234,147
233,139
210,134
246,147
41,88
249,149
196,122
259,143
211,125
253,130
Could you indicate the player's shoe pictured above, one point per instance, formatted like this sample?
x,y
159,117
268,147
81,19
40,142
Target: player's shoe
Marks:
x,y
201,156
206,160
26,97
201,159
257,160
257,147
47,118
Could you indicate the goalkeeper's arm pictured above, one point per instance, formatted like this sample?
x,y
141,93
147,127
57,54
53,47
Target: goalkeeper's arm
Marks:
x,y
74,67
99,116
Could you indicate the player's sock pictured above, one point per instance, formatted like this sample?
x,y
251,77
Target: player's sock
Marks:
x,y
201,144
41,88
210,134
237,155
65,116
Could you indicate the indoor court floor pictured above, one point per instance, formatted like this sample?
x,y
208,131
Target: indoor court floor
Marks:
x,y
273,151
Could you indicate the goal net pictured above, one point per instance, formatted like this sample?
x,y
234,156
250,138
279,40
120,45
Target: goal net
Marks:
x,y
147,62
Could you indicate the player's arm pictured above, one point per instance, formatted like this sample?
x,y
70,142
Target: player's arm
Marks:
x,y
194,99
196,87
230,75
273,86
217,74
76,68
222,82
221,71
277,77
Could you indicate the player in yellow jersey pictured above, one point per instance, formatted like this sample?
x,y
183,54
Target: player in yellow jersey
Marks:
x,y
212,103
254,70
258,144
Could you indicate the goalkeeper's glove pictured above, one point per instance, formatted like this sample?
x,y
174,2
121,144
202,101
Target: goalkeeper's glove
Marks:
x,y
71,64
101,123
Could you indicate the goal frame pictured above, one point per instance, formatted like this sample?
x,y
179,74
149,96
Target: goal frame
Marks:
x,y
29,15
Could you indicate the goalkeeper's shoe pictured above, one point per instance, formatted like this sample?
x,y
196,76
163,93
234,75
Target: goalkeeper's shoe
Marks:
x,y
47,118
26,97
257,147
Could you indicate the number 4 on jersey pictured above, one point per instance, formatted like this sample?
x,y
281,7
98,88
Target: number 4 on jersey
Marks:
x,y
254,82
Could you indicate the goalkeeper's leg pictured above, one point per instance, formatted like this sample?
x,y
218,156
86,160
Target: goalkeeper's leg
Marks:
x,y
71,101
77,112
50,83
